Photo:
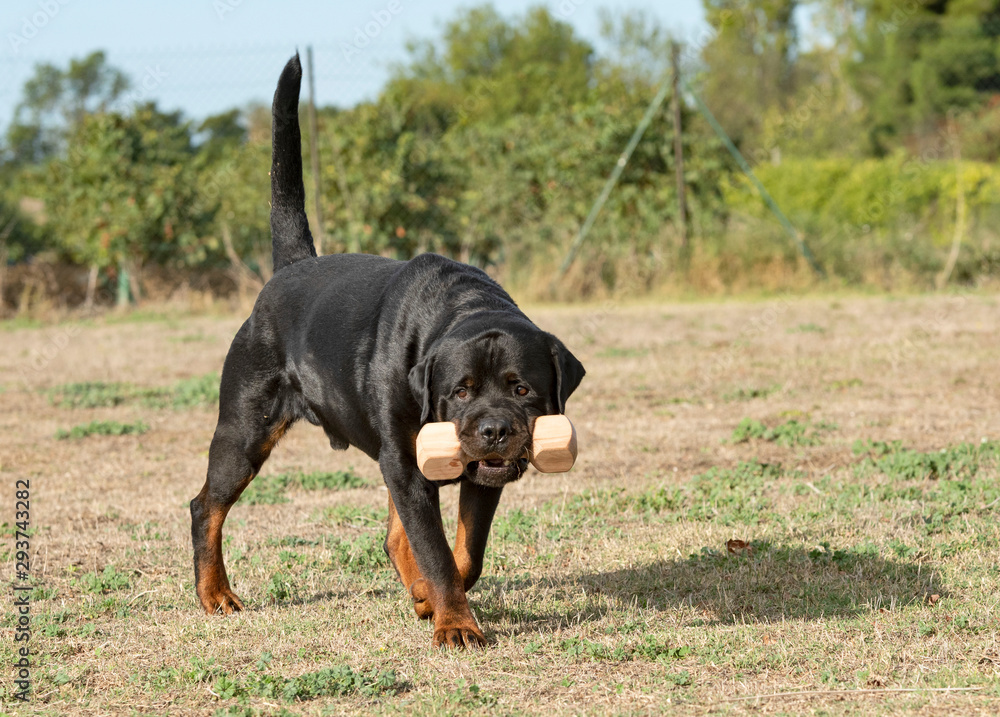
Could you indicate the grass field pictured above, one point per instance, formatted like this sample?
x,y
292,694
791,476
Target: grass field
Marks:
x,y
771,497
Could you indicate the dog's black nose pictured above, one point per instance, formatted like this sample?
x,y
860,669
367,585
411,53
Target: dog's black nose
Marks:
x,y
494,430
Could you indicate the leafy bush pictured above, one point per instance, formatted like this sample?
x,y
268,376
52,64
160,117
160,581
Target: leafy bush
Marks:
x,y
894,215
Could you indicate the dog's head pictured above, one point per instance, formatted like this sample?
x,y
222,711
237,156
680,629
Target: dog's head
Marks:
x,y
493,382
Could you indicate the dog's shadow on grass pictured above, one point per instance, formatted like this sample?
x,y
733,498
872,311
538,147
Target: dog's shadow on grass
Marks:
x,y
762,582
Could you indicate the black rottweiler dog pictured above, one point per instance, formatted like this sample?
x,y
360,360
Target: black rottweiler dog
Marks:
x,y
371,349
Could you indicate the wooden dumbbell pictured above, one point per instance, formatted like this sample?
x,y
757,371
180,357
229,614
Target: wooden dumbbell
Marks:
x,y
440,455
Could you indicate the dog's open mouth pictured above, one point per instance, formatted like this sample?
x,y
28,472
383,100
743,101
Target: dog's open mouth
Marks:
x,y
496,471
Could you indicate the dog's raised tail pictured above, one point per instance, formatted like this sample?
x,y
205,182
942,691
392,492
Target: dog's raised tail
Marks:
x,y
291,240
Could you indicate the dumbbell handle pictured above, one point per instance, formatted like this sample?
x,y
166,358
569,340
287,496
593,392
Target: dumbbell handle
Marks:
x,y
440,455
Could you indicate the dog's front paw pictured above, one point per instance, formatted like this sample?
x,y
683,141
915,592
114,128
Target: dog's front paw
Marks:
x,y
219,599
458,628
466,636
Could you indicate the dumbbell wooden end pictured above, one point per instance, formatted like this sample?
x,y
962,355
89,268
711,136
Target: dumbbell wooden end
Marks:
x,y
439,452
440,455
553,444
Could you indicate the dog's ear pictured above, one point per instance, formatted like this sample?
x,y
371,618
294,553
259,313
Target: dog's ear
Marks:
x,y
569,372
420,385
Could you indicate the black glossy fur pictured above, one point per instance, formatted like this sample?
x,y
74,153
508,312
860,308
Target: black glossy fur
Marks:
x,y
370,349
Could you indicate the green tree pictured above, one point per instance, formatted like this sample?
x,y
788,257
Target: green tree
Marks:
x,y
638,49
19,236
749,63
492,145
388,190
125,191
916,63
491,68
233,185
55,100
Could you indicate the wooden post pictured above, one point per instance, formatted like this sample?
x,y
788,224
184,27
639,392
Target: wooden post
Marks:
x,y
314,151
122,300
4,235
675,106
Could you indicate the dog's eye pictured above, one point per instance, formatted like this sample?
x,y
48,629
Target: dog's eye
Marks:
x,y
521,391
462,392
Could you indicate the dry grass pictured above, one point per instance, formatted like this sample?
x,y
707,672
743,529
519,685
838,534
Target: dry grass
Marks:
x,y
607,590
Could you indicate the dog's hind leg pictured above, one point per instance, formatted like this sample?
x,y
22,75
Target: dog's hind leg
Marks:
x,y
247,432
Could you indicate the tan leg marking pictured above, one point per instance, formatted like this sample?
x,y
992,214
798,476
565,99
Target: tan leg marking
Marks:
x,y
405,564
213,587
454,624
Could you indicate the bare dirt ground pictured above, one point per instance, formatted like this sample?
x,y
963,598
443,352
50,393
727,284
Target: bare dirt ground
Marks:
x,y
607,590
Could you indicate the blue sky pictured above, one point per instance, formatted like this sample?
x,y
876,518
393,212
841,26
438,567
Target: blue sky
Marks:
x,y
204,56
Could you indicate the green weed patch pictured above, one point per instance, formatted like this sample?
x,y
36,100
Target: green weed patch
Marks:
x,y
271,489
346,514
649,648
337,681
186,393
750,393
807,328
622,352
280,588
963,460
265,490
103,428
515,525
362,554
335,480
90,394
110,580
789,434
728,495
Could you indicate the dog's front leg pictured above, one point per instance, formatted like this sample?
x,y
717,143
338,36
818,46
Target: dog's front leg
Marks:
x,y
419,550
476,507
